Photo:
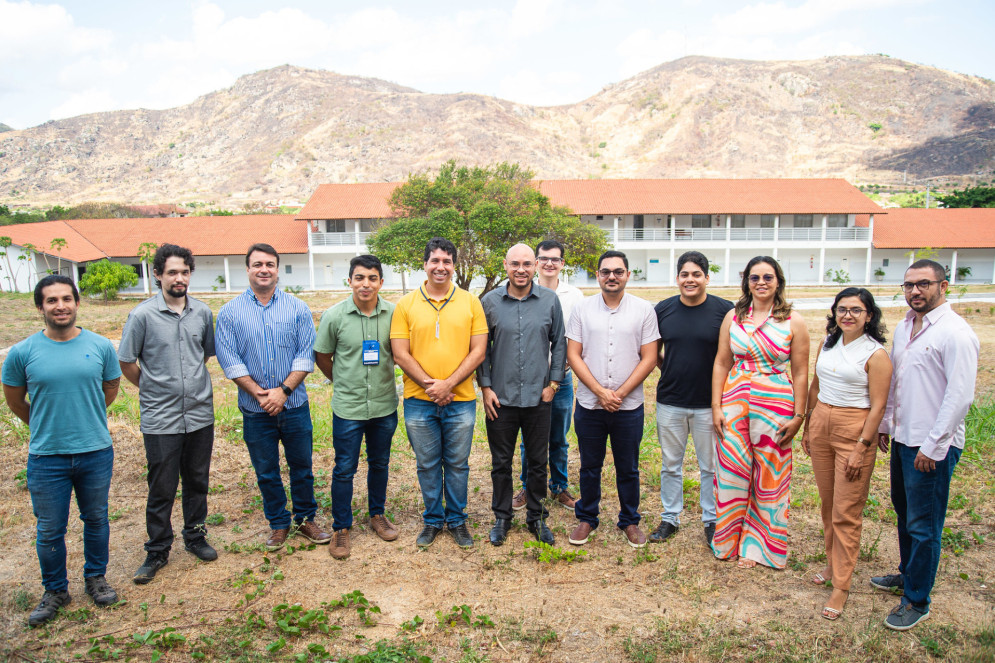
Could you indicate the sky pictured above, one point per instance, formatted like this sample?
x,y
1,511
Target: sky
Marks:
x,y
59,60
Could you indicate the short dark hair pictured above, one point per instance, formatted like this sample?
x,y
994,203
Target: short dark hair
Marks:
x,y
262,248
437,243
613,254
549,245
697,257
52,279
367,261
164,253
938,271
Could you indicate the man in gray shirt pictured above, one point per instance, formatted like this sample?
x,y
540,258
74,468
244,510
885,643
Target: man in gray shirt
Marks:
x,y
165,346
522,369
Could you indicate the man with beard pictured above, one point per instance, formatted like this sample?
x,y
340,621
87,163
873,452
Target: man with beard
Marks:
x,y
164,349
60,382
935,358
524,323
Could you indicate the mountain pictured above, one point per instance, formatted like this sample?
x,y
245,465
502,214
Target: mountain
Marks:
x,y
4,127
277,134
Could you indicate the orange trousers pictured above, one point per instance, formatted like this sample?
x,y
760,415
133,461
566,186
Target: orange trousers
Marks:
x,y
833,433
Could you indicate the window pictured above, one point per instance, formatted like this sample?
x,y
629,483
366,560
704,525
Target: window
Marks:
x,y
766,220
701,221
367,225
737,221
803,220
599,217
289,269
138,270
884,263
335,225
836,221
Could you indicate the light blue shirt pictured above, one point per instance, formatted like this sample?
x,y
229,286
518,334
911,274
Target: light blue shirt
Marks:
x,y
65,388
266,343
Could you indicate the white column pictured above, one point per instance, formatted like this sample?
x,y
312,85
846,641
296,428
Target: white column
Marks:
x,y
728,268
148,284
359,244
777,218
824,223
953,268
310,257
615,233
673,228
74,268
822,263
912,257
227,276
870,247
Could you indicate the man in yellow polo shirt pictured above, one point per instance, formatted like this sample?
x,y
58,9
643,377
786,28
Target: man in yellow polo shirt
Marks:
x,y
438,336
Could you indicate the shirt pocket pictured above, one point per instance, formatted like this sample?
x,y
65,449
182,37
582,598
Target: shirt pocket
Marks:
x,y
286,336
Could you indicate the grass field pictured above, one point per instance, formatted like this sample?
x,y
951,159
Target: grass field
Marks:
x,y
390,602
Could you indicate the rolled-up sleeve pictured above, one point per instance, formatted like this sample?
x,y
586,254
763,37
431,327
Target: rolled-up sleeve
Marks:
x,y
304,357
226,345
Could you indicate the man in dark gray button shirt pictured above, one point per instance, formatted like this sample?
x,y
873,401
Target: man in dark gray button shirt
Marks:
x,y
522,369
165,345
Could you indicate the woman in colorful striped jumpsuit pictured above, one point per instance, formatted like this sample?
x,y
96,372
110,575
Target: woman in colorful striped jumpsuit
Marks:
x,y
757,409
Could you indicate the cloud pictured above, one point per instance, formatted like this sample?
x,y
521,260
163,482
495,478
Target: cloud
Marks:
x,y
644,50
531,17
543,89
29,30
780,18
92,100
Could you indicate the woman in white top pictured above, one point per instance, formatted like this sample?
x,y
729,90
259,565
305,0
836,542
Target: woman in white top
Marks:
x,y
845,404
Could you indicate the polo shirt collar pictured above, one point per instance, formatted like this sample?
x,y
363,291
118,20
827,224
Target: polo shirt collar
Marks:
x,y
424,289
352,308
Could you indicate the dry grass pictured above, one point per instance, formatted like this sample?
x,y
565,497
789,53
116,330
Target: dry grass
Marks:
x,y
672,601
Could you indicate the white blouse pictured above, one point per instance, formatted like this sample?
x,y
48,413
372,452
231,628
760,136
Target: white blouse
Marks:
x,y
842,373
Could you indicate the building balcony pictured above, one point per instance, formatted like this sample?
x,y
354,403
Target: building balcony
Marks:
x,y
338,239
850,234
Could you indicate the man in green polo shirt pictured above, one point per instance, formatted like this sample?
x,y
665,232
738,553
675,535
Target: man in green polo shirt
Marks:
x,y
352,349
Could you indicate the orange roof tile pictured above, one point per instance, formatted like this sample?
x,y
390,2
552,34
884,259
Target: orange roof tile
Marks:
x,y
78,248
350,201
961,228
709,196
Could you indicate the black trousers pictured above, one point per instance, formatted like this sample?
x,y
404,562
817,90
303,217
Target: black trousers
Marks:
x,y
502,436
170,458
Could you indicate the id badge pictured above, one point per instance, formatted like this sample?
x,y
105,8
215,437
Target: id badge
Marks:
x,y
371,353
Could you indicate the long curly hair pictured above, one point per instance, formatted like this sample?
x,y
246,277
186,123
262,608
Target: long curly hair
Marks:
x,y
781,310
874,327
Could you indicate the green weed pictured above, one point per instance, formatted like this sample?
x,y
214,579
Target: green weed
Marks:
x,y
548,554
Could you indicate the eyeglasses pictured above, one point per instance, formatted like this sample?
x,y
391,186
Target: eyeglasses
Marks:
x,y
550,259
768,278
922,285
515,265
605,273
852,312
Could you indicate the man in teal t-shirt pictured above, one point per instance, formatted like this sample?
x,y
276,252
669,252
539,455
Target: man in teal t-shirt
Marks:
x,y
60,382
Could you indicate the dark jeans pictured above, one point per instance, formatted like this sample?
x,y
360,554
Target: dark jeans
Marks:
x,y
51,481
920,500
559,426
170,458
263,434
347,438
593,428
502,433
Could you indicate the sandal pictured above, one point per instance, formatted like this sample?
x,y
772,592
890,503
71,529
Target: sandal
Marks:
x,y
744,563
819,579
832,614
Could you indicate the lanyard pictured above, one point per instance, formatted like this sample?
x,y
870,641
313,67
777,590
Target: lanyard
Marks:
x,y
438,310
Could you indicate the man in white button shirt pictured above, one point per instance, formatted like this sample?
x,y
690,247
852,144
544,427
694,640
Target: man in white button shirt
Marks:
x,y
935,354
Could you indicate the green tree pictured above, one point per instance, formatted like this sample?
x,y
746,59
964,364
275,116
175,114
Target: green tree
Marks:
x,y
107,277
979,196
5,244
483,210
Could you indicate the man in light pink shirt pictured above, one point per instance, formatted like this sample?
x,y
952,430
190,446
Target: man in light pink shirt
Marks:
x,y
935,354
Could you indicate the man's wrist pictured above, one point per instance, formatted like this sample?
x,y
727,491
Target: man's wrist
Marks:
x,y
287,391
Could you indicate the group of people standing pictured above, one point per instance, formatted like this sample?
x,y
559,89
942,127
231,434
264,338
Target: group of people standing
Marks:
x,y
733,376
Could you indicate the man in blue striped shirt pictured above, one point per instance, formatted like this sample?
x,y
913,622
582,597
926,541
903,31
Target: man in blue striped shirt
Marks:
x,y
264,343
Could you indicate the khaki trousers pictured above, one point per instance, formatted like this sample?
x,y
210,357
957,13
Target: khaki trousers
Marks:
x,y
833,433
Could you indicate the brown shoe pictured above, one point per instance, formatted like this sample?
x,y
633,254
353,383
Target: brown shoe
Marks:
x,y
635,536
581,534
566,499
518,501
340,547
383,527
277,538
310,531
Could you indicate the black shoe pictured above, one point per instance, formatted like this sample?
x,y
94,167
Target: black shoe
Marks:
x,y
49,605
664,531
709,533
153,562
541,532
500,531
427,536
904,617
98,589
893,583
202,550
461,535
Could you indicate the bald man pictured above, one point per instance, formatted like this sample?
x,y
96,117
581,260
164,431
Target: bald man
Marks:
x,y
522,370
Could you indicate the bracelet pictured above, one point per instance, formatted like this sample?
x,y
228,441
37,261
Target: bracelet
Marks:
x,y
555,386
866,443
799,415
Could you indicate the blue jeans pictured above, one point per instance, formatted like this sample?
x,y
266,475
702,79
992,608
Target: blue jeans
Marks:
x,y
593,428
51,481
347,438
920,500
559,426
441,438
672,427
263,434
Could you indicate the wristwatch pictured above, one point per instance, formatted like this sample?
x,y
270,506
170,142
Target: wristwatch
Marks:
x,y
555,386
864,442
286,390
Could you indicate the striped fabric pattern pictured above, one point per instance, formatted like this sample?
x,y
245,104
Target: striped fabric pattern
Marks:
x,y
753,473
266,343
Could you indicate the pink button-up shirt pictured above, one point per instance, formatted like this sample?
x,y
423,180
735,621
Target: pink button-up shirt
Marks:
x,y
932,385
